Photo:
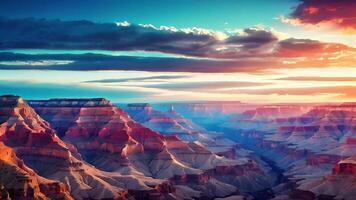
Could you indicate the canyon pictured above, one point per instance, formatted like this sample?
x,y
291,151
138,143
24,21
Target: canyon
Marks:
x,y
311,145
94,149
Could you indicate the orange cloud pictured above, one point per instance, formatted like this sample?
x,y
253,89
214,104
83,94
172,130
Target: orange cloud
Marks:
x,y
337,13
346,91
305,52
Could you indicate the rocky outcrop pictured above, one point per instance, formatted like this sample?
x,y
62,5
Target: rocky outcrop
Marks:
x,y
306,147
346,166
22,129
111,131
37,144
17,181
67,109
109,139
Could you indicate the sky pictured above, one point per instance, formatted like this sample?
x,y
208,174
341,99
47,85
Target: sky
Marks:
x,y
187,50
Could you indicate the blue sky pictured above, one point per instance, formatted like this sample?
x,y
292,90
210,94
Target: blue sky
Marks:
x,y
165,50
211,14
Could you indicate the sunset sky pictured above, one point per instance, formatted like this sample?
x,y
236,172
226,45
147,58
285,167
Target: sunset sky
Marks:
x,y
155,51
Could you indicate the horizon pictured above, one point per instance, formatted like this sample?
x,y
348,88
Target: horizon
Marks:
x,y
185,102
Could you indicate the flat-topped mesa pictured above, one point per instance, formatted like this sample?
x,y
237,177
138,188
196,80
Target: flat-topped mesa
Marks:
x,y
10,100
64,102
346,167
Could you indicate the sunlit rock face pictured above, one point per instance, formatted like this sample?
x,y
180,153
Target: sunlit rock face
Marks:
x,y
22,129
103,129
17,181
346,167
340,184
42,150
68,109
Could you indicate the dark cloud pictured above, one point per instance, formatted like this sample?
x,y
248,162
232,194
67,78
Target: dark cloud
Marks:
x,y
253,38
305,47
295,47
56,34
87,35
108,62
340,13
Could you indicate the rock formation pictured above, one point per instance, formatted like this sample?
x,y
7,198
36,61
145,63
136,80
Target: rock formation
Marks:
x,y
17,181
110,140
37,144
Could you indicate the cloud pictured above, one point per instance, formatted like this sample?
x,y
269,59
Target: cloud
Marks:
x,y
134,63
205,86
36,62
253,38
148,78
124,23
123,36
318,78
56,34
289,58
347,91
340,14
306,52
305,47
251,49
